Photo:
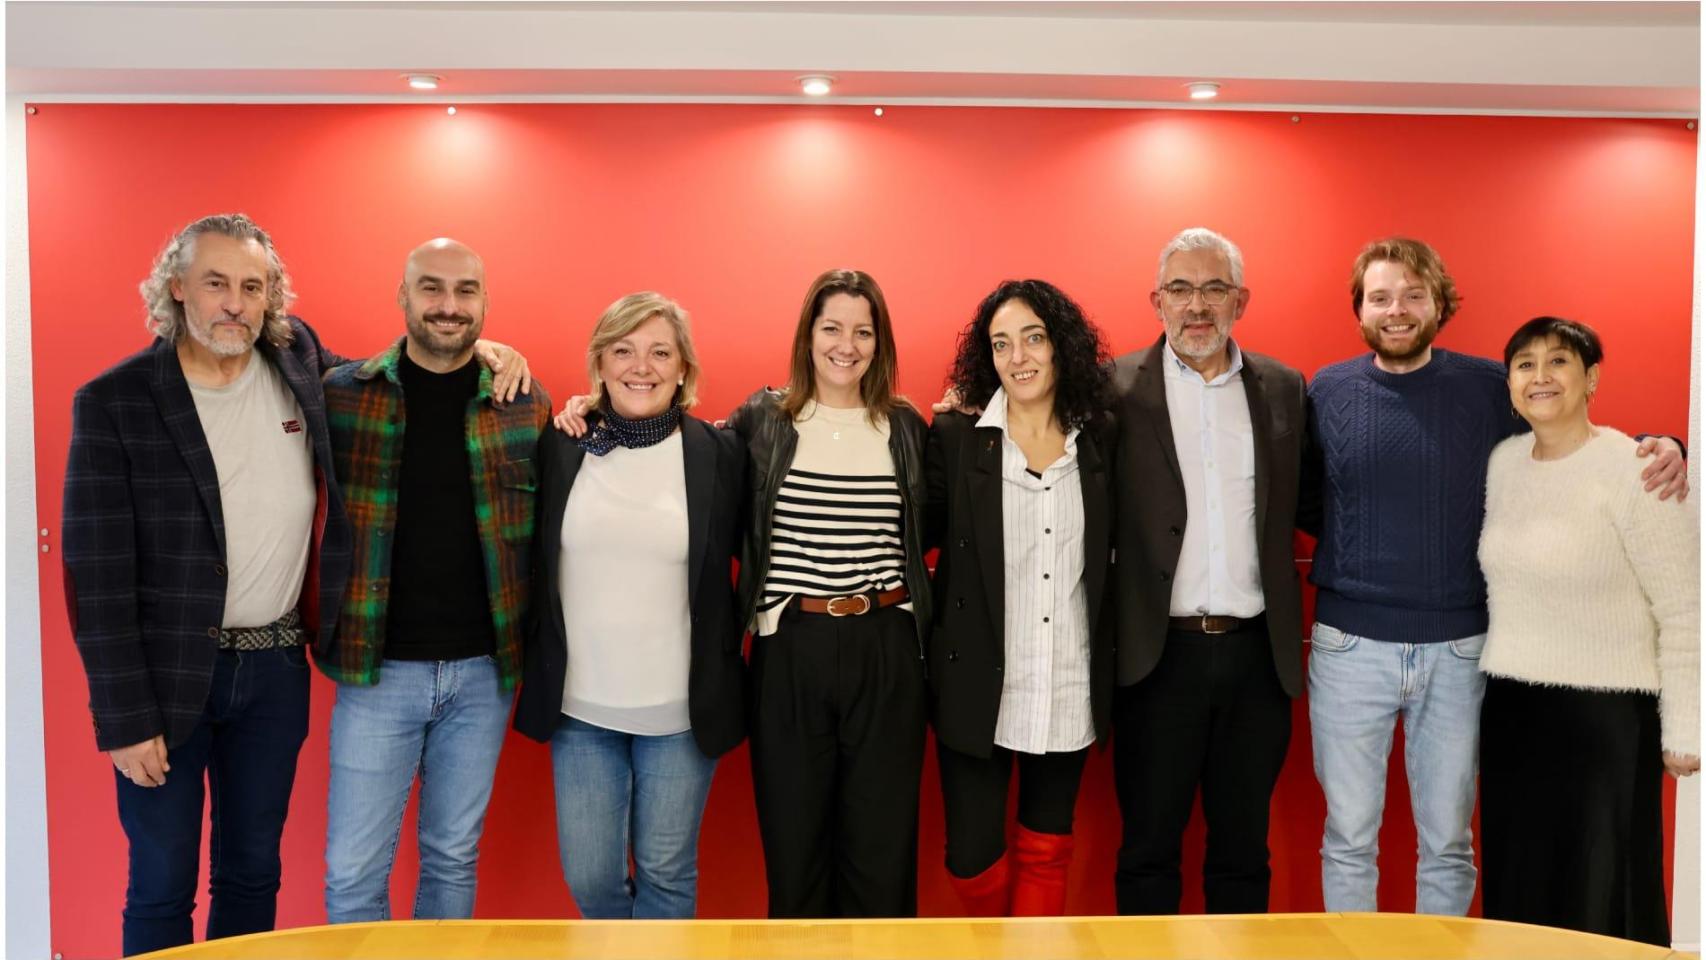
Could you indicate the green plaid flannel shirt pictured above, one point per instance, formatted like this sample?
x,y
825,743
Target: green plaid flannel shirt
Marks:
x,y
364,413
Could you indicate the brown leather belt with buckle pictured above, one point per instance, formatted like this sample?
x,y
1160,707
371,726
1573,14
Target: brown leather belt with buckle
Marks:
x,y
853,606
1207,623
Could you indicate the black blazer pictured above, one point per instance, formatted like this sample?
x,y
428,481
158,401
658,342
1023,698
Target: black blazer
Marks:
x,y
967,652
715,465
1149,534
144,538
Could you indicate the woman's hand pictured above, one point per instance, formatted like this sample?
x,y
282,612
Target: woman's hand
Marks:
x,y
572,419
1679,765
509,369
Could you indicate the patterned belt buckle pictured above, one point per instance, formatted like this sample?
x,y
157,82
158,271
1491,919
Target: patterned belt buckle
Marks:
x,y
848,606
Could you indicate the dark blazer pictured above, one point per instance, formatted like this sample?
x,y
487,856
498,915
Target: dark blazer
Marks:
x,y
967,650
1151,529
144,532
715,465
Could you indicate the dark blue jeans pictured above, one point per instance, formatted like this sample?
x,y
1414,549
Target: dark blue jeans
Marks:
x,y
246,744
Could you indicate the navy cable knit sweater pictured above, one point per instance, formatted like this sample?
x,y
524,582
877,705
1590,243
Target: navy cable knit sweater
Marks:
x,y
1404,493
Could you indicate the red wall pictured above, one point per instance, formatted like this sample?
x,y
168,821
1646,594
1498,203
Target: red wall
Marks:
x,y
732,210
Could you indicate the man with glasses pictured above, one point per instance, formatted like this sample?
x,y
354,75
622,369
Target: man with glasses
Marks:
x,y
1209,636
1404,434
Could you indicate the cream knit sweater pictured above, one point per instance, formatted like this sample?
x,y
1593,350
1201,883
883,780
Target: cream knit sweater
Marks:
x,y
1591,581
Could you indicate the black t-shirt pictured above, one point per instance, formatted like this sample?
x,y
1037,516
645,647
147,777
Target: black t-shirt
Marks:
x,y
439,606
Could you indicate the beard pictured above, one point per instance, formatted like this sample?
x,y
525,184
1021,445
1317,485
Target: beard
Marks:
x,y
221,346
1425,334
448,344
1196,347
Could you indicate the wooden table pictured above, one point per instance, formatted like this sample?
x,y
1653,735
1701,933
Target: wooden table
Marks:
x,y
1317,936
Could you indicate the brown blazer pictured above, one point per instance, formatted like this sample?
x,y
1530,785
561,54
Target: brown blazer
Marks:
x,y
1150,521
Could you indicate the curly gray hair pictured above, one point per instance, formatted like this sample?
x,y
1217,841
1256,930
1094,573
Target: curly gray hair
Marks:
x,y
166,314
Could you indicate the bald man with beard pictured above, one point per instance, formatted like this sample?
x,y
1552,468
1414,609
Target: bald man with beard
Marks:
x,y
428,646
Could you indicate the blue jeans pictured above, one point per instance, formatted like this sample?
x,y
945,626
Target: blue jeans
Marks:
x,y
616,789
1358,687
246,743
445,719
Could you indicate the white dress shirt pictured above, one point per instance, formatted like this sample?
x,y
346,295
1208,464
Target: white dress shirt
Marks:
x,y
1045,687
1218,571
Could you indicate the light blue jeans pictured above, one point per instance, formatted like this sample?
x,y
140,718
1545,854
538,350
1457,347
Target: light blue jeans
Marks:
x,y
616,789
444,719
1358,687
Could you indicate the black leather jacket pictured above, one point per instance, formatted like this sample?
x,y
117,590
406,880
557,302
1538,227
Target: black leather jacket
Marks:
x,y
770,440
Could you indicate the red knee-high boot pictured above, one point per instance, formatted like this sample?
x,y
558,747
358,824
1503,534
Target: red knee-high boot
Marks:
x,y
1040,861
985,895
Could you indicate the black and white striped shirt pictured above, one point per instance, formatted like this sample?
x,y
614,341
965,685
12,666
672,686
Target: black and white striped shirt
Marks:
x,y
836,527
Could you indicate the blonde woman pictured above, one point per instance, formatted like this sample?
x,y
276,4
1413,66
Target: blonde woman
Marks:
x,y
633,671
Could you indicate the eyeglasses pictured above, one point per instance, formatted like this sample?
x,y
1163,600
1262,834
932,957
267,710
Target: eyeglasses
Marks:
x,y
1214,292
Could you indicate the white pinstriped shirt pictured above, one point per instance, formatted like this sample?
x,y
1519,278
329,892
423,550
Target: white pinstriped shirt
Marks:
x,y
1045,688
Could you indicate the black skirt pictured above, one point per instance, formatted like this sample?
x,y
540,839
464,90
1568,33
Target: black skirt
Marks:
x,y
1572,829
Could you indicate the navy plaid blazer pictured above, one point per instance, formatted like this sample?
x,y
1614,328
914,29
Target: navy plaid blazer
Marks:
x,y
144,538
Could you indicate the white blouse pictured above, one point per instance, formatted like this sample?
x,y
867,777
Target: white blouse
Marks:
x,y
623,582
1045,687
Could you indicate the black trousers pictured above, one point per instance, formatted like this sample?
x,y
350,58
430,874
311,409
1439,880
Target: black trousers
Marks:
x,y
837,754
1212,715
974,800
1572,827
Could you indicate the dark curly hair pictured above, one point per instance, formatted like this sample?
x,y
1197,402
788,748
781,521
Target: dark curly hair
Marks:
x,y
1083,389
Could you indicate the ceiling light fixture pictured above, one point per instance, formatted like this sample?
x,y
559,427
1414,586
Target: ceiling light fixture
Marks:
x,y
422,81
816,84
1203,89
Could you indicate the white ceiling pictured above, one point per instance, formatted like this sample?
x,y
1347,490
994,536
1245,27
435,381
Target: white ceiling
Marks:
x,y
1574,58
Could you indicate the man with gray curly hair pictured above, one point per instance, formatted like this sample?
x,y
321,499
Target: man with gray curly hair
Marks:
x,y
205,544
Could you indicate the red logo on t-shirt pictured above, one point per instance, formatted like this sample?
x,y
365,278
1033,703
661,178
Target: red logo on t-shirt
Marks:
x,y
293,426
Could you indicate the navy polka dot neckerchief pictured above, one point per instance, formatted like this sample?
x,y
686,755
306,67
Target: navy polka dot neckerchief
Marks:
x,y
611,430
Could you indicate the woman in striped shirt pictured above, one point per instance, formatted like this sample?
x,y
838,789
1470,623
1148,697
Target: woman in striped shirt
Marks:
x,y
833,587
1021,657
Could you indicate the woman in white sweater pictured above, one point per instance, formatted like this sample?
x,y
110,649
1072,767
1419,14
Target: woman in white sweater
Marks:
x,y
1592,656
632,669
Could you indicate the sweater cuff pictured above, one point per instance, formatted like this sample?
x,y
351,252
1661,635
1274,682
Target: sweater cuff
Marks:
x,y
1679,724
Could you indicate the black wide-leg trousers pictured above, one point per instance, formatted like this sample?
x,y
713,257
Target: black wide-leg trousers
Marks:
x,y
838,714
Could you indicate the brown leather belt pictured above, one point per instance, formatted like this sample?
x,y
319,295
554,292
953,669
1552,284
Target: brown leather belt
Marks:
x,y
1208,623
853,606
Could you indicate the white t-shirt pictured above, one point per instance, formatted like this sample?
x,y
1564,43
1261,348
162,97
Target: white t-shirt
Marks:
x,y
262,454
623,582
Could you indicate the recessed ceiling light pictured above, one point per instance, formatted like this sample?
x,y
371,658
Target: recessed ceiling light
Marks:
x,y
450,110
1203,90
878,111
816,85
422,81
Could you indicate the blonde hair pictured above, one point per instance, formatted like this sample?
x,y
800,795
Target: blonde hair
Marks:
x,y
622,318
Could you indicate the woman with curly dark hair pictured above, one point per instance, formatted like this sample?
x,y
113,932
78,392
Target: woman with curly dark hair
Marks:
x,y
1021,668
